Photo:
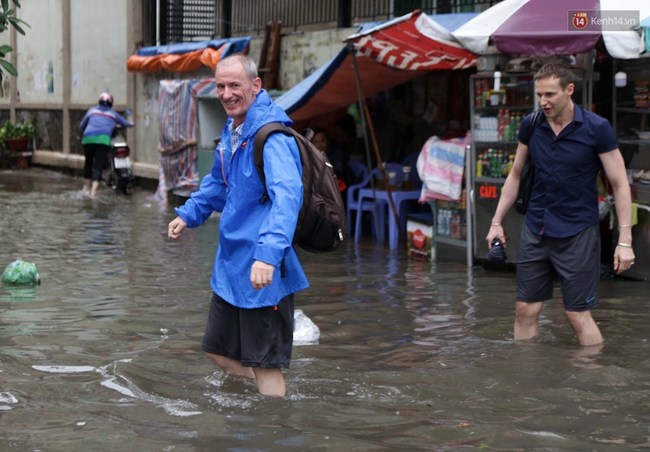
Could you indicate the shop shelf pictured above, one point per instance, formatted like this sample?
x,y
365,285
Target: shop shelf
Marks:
x,y
502,107
491,180
450,241
643,111
497,143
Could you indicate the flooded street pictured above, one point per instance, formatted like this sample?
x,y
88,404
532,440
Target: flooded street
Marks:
x,y
105,354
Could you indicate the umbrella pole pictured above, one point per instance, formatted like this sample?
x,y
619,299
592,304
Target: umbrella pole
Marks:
x,y
365,116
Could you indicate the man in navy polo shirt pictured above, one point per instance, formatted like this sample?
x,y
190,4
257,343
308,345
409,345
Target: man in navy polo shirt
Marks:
x,y
560,236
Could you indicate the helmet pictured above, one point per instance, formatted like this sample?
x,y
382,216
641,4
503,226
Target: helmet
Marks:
x,y
106,100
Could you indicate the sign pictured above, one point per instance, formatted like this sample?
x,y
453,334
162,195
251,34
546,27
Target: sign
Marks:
x,y
579,20
488,191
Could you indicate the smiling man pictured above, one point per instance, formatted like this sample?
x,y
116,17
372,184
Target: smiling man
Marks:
x,y
256,270
568,147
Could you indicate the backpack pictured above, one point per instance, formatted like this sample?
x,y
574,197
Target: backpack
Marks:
x,y
321,225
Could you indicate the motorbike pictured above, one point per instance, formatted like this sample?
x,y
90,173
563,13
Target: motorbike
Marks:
x,y
119,177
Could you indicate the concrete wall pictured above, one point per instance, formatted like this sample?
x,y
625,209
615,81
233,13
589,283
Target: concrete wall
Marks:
x,y
40,52
98,50
76,49
302,54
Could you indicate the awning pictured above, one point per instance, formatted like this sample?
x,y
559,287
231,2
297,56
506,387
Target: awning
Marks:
x,y
544,27
399,50
413,42
185,57
645,25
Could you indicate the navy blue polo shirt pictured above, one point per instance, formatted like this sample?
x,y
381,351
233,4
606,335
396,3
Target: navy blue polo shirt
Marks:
x,y
564,200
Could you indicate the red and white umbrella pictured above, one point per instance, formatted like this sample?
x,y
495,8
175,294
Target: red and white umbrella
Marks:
x,y
552,27
413,42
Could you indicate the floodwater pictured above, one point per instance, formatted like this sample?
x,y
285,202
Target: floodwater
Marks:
x,y
105,354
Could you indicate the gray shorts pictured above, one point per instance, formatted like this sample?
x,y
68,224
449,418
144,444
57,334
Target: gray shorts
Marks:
x,y
575,260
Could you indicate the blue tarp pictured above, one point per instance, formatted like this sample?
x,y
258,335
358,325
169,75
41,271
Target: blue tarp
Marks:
x,y
239,44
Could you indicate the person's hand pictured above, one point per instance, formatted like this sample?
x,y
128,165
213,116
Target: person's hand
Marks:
x,y
497,231
175,228
623,259
261,274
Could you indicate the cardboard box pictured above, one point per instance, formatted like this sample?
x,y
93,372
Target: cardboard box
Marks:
x,y
419,235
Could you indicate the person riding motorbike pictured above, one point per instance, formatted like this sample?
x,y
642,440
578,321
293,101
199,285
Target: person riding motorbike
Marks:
x,y
97,127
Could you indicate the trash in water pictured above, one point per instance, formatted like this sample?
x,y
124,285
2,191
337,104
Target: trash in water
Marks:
x,y
304,330
20,272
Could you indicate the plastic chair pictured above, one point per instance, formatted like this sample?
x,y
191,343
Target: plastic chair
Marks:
x,y
368,205
360,172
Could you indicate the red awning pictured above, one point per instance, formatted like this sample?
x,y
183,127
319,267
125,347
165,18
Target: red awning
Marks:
x,y
413,42
388,55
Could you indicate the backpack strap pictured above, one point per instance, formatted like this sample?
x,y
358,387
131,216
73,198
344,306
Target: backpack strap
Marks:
x,y
531,127
258,149
533,121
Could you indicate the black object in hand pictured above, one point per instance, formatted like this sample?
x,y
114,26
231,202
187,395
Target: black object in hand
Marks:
x,y
497,254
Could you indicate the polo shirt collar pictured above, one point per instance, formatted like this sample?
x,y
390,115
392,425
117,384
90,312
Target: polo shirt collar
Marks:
x,y
577,114
578,118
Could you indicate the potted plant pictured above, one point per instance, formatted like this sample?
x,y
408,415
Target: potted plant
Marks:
x,y
16,136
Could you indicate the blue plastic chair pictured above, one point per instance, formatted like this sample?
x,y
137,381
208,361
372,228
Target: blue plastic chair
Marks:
x,y
360,172
382,205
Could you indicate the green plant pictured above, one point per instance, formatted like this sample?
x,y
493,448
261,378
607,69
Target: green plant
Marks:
x,y
19,130
8,17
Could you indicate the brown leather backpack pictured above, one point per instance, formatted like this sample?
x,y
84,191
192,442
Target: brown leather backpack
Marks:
x,y
321,226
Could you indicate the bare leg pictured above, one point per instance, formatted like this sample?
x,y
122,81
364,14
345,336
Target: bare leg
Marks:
x,y
526,320
231,366
585,327
93,191
270,382
87,185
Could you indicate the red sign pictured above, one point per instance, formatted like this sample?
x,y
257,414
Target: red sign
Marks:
x,y
488,191
580,20
418,239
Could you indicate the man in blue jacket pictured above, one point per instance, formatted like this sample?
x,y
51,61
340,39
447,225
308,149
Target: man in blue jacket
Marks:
x,y
97,126
256,270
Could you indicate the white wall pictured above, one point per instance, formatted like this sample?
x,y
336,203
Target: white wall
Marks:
x,y
98,55
98,51
146,115
40,52
300,55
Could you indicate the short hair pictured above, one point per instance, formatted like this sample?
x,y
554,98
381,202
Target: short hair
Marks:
x,y
318,130
557,70
249,64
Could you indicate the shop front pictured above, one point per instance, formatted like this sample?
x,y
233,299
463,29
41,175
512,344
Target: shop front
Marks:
x,y
514,38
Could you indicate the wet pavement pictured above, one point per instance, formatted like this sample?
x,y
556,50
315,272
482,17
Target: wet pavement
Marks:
x,y
105,354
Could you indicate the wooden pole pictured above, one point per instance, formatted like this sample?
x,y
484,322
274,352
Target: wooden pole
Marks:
x,y
365,116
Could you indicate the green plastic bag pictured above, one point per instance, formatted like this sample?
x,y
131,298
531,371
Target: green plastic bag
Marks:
x,y
20,272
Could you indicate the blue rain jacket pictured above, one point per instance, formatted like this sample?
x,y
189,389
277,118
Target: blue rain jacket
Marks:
x,y
248,229
100,120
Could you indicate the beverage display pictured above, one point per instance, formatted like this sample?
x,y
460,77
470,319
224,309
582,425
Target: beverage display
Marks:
x,y
407,182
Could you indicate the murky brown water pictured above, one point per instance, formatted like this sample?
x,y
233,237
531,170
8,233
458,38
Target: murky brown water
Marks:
x,y
105,354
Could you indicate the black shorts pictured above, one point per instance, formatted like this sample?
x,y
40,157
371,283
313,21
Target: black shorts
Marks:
x,y
261,337
575,260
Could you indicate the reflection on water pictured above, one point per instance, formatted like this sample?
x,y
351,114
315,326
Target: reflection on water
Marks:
x,y
105,353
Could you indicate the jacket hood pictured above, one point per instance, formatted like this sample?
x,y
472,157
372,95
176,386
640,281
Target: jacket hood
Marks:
x,y
261,112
